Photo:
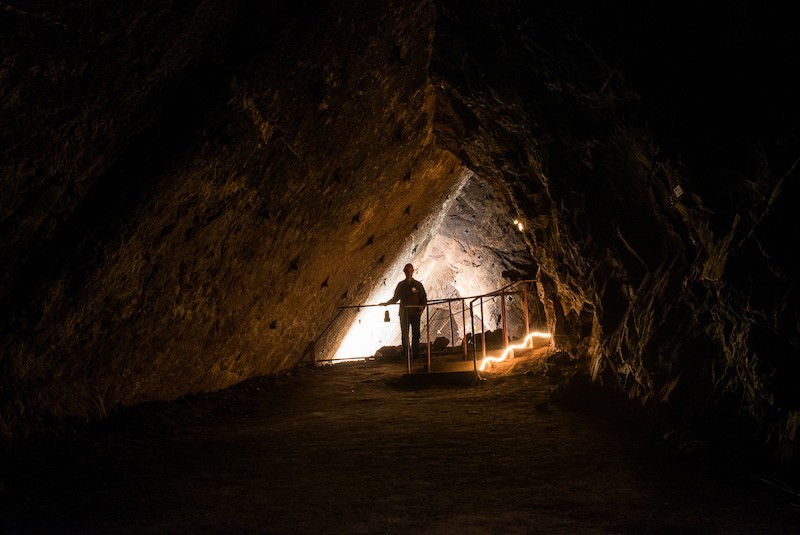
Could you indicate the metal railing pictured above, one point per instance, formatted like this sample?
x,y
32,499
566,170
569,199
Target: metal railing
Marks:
x,y
467,306
508,289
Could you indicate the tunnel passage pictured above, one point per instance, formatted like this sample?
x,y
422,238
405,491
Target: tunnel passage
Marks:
x,y
474,247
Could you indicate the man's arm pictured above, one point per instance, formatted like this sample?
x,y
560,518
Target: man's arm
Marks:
x,y
395,298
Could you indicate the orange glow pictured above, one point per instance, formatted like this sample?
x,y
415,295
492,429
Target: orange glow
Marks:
x,y
512,347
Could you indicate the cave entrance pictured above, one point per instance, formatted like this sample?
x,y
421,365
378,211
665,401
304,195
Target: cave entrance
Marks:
x,y
476,248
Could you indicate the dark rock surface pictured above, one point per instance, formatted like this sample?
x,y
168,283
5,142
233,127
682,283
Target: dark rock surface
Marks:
x,y
190,191
353,448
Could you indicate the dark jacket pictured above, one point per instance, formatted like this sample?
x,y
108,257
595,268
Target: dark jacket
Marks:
x,y
411,294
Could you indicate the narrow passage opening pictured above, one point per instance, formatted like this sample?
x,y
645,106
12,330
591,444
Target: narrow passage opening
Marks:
x,y
476,248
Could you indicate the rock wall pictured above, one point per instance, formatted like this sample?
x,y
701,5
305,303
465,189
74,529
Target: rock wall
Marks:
x,y
196,188
654,215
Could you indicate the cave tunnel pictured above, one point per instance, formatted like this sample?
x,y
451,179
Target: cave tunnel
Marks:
x,y
474,248
192,193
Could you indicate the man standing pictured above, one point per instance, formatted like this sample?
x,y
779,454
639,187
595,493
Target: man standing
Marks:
x,y
413,299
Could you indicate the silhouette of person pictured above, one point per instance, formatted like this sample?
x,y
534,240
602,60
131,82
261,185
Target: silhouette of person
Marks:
x,y
411,294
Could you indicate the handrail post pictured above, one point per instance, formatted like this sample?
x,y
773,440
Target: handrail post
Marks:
x,y
450,320
464,327
483,333
428,328
407,339
474,347
505,322
525,304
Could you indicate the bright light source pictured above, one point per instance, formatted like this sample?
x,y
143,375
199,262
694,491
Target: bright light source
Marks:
x,y
368,334
519,225
509,349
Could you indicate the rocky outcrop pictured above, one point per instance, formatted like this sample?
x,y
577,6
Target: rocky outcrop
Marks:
x,y
656,244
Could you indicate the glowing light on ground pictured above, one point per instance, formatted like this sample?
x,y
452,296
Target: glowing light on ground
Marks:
x,y
512,347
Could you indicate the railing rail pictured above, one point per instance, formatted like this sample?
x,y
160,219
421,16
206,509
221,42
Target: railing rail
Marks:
x,y
502,292
513,288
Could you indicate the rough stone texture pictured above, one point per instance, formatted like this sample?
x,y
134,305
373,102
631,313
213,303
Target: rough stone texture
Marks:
x,y
191,191
685,299
200,253
476,250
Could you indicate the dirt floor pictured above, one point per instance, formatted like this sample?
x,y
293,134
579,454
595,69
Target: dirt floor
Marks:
x,y
352,448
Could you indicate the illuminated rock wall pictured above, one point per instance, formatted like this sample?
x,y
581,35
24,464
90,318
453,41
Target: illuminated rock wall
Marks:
x,y
473,248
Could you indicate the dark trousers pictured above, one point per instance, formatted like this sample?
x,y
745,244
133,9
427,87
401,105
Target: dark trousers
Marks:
x,y
411,320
